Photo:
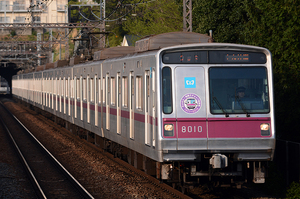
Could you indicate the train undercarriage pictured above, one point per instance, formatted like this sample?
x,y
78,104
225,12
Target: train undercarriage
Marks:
x,y
215,169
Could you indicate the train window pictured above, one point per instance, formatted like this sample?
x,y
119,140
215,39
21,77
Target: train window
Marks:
x,y
119,84
99,90
77,88
84,89
58,86
63,87
107,88
167,90
88,89
104,90
113,91
125,91
92,90
72,88
66,90
237,90
139,96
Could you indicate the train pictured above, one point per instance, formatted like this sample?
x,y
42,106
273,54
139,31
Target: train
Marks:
x,y
170,105
4,87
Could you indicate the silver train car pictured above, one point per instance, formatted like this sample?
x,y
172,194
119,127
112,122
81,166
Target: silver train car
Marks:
x,y
4,87
177,106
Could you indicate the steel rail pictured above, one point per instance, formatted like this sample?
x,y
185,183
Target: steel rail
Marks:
x,y
38,190
67,174
154,181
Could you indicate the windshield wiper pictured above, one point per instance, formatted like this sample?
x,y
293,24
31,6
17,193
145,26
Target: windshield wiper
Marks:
x,y
243,107
220,106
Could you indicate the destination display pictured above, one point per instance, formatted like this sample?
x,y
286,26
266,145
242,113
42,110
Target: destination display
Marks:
x,y
214,57
242,57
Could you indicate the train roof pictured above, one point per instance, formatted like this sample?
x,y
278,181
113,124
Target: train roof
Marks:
x,y
156,42
153,42
148,43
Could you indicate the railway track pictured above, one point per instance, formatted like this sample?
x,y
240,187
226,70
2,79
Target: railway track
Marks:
x,y
140,177
125,177
48,177
149,179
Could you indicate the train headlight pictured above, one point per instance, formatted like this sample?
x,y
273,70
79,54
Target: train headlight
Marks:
x,y
168,127
265,129
168,130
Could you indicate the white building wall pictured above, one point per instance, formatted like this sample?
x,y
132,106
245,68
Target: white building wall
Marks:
x,y
16,11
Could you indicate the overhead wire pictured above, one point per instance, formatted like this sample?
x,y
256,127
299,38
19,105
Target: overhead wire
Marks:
x,y
119,5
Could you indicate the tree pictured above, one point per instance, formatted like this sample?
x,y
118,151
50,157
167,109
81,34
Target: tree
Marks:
x,y
272,24
154,17
226,18
275,25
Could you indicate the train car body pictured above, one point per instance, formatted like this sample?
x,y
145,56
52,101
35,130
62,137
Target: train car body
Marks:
x,y
177,106
4,87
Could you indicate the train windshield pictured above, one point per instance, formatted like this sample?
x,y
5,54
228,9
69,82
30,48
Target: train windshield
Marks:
x,y
235,90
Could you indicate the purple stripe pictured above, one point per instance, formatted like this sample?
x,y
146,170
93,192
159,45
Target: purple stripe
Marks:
x,y
125,114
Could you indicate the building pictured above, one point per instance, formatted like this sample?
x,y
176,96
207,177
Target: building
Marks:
x,y
37,11
129,40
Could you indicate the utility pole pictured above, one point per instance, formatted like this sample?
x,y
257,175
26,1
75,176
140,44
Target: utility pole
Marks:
x,y
39,38
187,16
67,56
100,19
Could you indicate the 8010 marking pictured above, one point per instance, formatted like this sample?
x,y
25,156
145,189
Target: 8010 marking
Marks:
x,y
191,129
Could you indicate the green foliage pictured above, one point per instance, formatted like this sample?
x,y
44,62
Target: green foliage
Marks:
x,y
226,18
34,32
13,33
116,37
275,25
294,191
155,17
83,13
31,38
271,24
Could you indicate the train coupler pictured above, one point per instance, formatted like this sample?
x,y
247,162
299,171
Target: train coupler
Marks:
x,y
218,161
259,173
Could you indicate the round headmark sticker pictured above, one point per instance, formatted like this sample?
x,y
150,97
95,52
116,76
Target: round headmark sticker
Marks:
x,y
190,103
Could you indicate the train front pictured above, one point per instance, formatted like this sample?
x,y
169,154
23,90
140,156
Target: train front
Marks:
x,y
217,112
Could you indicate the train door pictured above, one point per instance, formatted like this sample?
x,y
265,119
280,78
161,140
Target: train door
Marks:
x,y
69,94
147,109
52,92
119,103
75,95
45,90
81,97
107,102
96,100
190,108
152,77
131,105
60,90
88,99
64,93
